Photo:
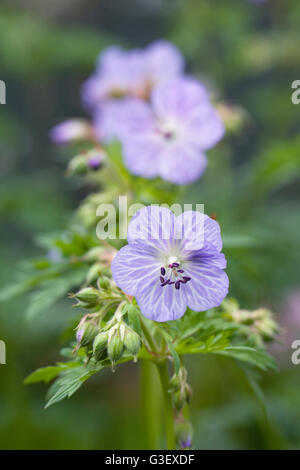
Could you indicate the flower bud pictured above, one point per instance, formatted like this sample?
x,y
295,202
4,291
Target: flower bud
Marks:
x,y
95,159
132,342
175,383
72,129
183,434
188,393
99,345
78,165
103,283
86,334
179,399
115,348
89,296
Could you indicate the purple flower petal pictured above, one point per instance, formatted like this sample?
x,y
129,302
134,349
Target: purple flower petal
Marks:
x,y
132,268
177,97
158,54
204,127
161,303
152,229
207,288
198,230
141,156
181,163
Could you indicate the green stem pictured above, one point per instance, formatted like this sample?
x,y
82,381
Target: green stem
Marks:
x,y
169,414
148,337
150,405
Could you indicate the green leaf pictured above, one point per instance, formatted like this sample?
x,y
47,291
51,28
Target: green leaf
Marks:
x,y
69,381
257,357
252,379
14,290
46,374
214,342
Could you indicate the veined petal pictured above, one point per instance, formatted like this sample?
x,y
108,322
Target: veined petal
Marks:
x,y
197,230
131,267
152,228
181,163
177,97
207,288
160,303
158,54
137,118
142,154
204,127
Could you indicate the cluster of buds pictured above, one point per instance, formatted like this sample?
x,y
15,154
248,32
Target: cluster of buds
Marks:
x,y
108,342
181,393
91,160
179,388
259,323
93,297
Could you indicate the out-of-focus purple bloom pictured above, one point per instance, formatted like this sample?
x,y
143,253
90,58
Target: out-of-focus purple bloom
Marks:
x,y
118,74
73,129
172,262
162,61
168,137
121,73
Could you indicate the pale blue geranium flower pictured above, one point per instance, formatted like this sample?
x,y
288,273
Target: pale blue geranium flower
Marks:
x,y
168,136
120,73
171,263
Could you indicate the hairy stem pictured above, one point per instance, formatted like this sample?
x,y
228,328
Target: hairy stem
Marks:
x,y
168,409
150,405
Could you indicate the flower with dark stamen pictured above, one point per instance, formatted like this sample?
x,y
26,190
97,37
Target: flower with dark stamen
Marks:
x,y
168,136
171,263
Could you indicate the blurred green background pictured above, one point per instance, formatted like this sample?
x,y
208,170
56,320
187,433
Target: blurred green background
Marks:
x,y
247,52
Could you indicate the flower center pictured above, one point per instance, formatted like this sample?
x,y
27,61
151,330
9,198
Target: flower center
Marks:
x,y
169,130
172,274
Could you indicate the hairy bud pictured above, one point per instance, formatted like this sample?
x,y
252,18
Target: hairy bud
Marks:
x,y
115,347
104,283
183,434
132,342
89,297
78,165
86,334
179,399
99,345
